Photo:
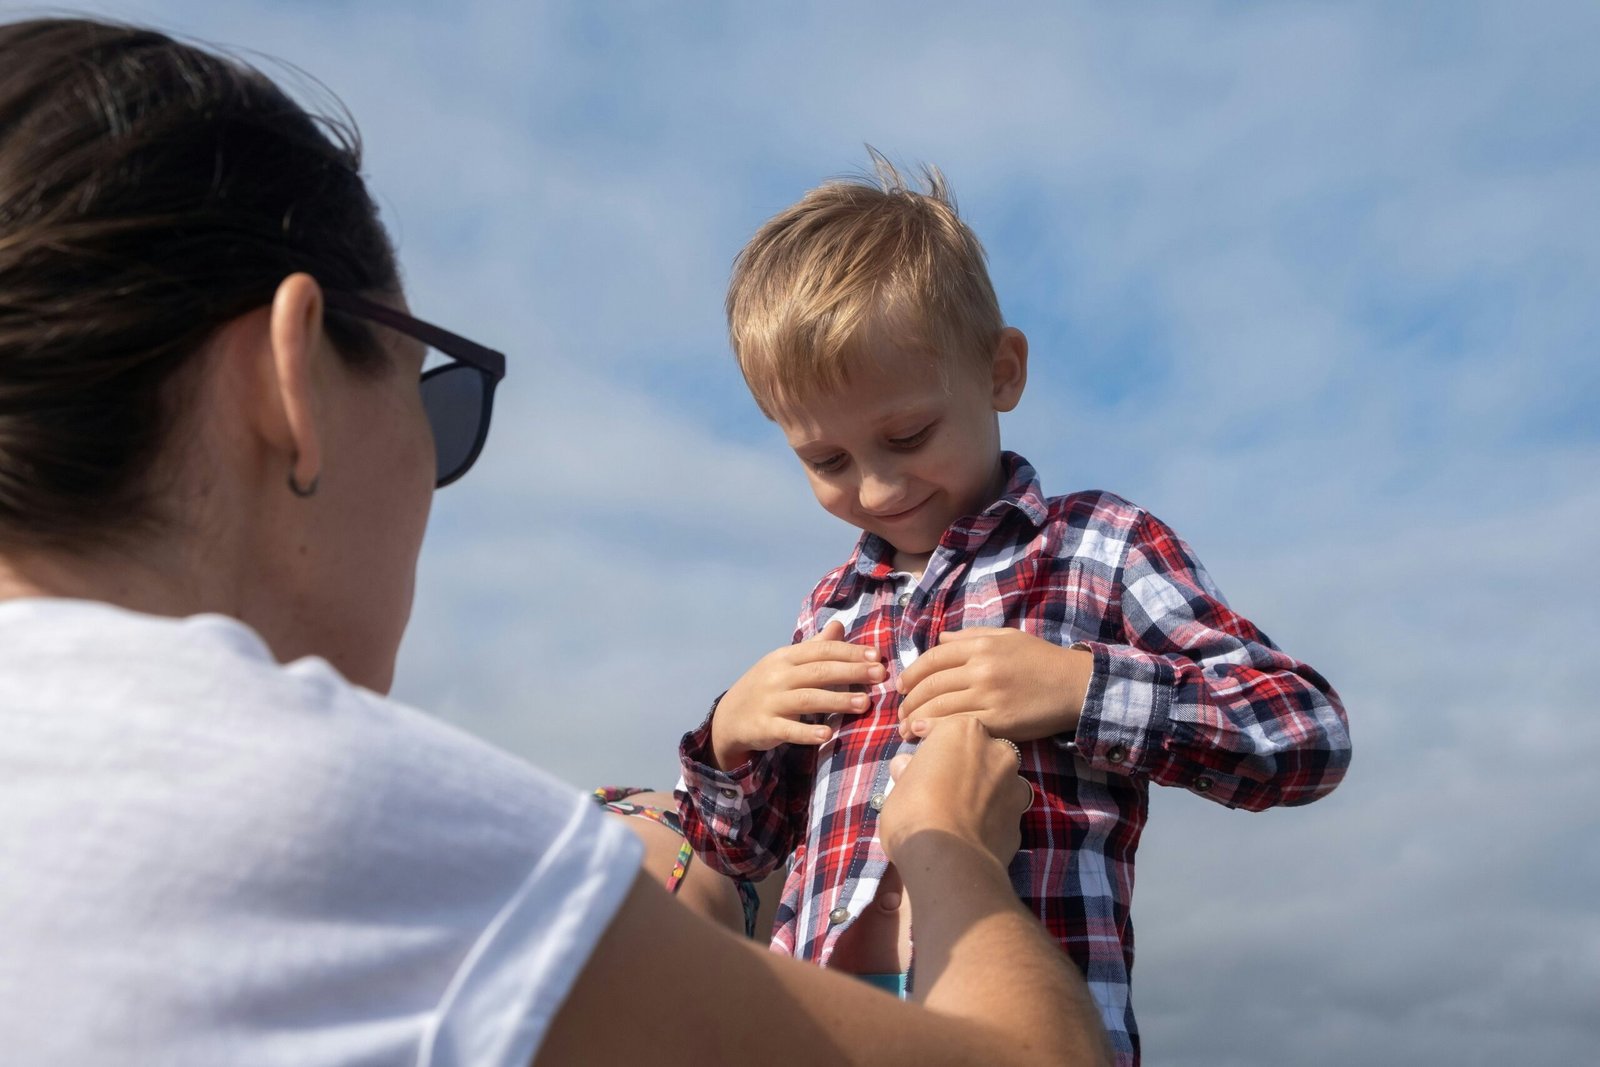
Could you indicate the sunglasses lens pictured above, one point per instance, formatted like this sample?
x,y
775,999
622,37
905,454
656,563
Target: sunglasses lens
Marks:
x,y
453,397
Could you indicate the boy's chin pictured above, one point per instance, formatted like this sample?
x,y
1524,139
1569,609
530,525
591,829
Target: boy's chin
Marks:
x,y
912,546
908,559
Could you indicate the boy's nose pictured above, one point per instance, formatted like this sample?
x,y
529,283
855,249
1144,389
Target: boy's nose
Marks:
x,y
882,493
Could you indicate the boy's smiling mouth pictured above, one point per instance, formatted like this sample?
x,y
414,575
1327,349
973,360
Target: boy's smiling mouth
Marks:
x,y
896,516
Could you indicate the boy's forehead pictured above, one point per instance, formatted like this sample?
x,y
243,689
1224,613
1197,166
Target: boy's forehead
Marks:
x,y
890,369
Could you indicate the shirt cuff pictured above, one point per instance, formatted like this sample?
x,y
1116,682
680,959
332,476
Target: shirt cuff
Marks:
x,y
1124,720
723,798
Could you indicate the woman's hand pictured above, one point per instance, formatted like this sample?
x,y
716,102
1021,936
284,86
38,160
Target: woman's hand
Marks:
x,y
961,783
768,706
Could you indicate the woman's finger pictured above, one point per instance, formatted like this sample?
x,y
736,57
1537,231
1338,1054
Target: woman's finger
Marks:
x,y
1025,795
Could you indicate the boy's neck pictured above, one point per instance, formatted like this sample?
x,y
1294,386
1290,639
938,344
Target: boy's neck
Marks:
x,y
912,564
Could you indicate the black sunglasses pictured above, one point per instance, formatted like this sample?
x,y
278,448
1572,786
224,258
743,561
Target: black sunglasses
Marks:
x,y
458,397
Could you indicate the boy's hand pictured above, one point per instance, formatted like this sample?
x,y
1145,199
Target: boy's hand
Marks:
x,y
764,708
1020,686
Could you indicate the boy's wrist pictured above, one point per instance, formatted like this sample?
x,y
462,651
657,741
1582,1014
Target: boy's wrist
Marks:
x,y
730,759
1067,682
1077,674
726,755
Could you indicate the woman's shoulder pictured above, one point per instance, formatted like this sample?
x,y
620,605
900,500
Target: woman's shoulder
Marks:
x,y
165,782
201,703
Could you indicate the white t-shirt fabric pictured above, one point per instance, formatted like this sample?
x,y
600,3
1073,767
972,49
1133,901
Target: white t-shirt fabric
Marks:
x,y
210,858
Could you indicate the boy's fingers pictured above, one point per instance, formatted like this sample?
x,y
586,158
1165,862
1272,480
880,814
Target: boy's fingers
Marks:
x,y
898,765
834,631
943,707
932,687
800,733
925,664
970,632
936,659
831,674
817,650
826,701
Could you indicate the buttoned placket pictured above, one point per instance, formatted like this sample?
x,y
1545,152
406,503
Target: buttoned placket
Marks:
x,y
912,603
864,867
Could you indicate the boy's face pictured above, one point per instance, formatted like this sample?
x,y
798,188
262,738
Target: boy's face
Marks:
x,y
901,452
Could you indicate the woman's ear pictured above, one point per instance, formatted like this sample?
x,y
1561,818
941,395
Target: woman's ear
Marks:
x,y
1010,368
295,333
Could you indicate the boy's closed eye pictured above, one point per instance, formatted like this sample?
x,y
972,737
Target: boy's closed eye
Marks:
x,y
829,464
912,440
834,462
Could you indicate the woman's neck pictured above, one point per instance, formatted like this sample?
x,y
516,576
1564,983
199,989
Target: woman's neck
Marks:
x,y
149,579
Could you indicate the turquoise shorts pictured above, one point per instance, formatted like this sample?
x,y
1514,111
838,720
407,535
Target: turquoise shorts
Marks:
x,y
889,983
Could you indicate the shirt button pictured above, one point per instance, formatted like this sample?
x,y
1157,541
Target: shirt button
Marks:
x,y
838,915
905,598
728,793
876,803
1203,784
1116,753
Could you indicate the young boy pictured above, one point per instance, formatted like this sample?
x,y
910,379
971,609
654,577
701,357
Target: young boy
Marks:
x,y
1078,628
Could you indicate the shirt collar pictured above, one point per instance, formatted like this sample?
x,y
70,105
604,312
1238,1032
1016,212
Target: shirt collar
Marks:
x,y
1022,495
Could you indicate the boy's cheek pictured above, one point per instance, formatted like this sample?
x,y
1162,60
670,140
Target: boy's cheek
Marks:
x,y
833,499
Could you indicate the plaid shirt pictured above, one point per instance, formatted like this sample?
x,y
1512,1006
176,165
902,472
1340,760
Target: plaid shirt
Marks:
x,y
1184,692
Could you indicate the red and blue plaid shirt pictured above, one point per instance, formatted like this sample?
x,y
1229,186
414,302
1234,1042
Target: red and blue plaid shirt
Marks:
x,y
1185,692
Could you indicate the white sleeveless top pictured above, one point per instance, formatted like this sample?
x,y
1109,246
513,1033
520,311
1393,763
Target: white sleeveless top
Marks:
x,y
209,858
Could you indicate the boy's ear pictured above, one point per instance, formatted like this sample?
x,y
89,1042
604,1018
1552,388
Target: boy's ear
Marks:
x,y
1010,368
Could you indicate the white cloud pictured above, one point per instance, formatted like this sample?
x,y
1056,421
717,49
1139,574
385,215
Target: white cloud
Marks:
x,y
1346,254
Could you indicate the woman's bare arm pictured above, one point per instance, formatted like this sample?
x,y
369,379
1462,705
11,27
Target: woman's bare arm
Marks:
x,y
995,989
702,889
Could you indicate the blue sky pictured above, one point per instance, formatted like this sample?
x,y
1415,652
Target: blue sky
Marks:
x,y
1314,282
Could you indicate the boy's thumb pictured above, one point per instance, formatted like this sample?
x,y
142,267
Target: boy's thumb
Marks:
x,y
834,631
897,766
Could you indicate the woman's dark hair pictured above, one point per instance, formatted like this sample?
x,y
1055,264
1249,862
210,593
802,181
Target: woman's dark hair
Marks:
x,y
149,193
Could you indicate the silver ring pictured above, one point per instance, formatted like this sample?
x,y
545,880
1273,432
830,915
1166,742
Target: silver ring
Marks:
x,y
1012,745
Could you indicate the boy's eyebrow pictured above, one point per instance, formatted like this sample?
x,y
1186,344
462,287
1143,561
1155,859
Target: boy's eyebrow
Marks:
x,y
915,411
809,444
918,410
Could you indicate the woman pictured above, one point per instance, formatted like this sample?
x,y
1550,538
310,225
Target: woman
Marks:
x,y
218,844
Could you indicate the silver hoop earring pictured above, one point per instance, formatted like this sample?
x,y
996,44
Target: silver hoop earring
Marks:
x,y
307,491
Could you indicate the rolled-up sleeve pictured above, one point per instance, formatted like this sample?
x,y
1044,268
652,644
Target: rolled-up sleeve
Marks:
x,y
745,821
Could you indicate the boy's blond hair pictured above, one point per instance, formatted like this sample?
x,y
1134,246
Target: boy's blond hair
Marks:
x,y
858,261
